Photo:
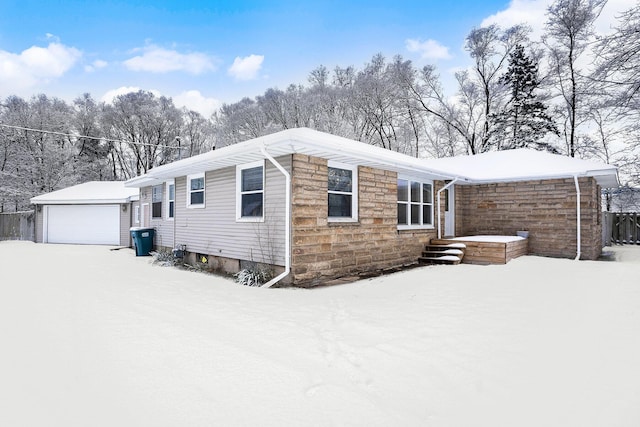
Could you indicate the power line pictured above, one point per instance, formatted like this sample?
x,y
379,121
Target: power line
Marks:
x,y
86,136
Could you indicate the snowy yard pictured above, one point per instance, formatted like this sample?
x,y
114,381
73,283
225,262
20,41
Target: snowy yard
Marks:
x,y
93,337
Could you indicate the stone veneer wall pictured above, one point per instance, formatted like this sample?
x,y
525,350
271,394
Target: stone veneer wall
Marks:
x,y
547,209
322,250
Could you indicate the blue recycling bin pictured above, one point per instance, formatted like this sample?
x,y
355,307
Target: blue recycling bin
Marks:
x,y
142,240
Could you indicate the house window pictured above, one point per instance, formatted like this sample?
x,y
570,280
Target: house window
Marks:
x,y
250,191
195,191
136,214
156,202
342,184
171,199
415,204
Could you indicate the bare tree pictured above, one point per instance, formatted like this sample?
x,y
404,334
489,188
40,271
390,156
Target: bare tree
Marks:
x,y
489,47
619,59
569,28
37,154
239,122
92,160
196,134
147,126
618,75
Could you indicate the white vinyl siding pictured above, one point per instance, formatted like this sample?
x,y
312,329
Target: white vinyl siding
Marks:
x,y
163,236
125,224
214,230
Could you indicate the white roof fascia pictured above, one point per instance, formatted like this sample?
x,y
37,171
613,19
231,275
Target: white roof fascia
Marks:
x,y
80,201
604,179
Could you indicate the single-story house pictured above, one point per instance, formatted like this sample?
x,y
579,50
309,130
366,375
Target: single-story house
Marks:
x,y
96,212
317,206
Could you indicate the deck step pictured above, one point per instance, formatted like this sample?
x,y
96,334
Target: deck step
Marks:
x,y
436,252
443,253
446,251
444,259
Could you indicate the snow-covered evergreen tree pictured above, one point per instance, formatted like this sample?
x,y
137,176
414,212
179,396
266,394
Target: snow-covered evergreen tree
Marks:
x,y
523,121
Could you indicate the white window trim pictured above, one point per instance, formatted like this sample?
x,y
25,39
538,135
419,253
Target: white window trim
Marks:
x,y
239,169
354,192
204,195
417,226
166,188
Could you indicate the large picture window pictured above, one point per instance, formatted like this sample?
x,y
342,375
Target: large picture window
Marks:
x,y
342,184
250,194
156,202
195,191
415,204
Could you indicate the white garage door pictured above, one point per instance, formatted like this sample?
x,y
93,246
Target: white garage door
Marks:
x,y
85,224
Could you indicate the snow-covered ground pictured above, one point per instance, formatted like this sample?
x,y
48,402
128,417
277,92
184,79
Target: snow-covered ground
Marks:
x,y
94,337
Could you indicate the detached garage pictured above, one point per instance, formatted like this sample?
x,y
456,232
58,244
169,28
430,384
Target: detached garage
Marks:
x,y
93,213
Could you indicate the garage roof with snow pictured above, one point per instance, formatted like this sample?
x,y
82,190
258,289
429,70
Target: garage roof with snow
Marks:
x,y
92,192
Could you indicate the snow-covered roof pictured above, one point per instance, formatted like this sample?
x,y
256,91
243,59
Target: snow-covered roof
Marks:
x,y
523,165
290,141
91,192
490,167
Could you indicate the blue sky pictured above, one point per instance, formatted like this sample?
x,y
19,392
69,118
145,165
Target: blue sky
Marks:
x,y
205,53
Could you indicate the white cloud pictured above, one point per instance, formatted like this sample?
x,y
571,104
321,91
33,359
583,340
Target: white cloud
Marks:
x,y
428,49
533,13
35,65
613,8
156,59
95,65
530,12
112,94
246,68
194,100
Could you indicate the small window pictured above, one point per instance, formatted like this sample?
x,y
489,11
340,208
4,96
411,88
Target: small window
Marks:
x,y
195,191
342,195
415,204
250,191
171,199
156,202
136,214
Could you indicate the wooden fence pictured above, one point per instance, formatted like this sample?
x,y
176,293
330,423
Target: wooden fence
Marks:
x,y
17,226
621,228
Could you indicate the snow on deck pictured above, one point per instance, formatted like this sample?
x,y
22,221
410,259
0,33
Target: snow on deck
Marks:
x,y
488,238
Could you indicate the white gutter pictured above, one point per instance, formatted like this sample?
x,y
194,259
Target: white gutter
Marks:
x,y
287,221
578,220
439,211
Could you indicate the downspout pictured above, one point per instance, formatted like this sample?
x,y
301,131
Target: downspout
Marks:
x,y
287,221
439,211
578,220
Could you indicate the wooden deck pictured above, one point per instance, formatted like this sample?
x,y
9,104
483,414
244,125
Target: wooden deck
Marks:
x,y
489,249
